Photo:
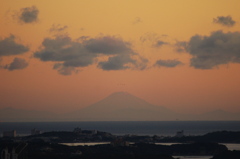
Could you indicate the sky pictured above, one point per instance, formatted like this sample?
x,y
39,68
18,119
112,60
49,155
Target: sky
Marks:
x,y
61,56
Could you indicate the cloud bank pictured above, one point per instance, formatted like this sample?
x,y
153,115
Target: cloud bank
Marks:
x,y
70,55
213,50
225,21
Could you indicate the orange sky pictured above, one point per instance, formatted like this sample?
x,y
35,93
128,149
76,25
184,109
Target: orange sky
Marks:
x,y
121,42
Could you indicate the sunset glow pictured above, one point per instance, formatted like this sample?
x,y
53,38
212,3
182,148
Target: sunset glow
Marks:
x,y
61,56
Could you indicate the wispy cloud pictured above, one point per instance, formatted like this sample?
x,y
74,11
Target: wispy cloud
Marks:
x,y
181,46
137,20
56,28
64,70
154,39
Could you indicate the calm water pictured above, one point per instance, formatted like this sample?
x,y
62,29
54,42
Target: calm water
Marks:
x,y
164,128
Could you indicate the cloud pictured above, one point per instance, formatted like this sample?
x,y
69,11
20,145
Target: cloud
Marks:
x,y
69,54
215,49
57,28
8,47
154,39
181,46
116,63
159,43
168,63
225,21
63,70
28,15
17,64
137,20
141,62
62,48
122,62
108,45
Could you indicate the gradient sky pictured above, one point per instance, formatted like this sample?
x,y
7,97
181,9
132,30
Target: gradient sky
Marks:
x,y
64,55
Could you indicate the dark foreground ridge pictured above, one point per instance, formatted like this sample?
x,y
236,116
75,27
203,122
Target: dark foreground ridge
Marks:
x,y
48,145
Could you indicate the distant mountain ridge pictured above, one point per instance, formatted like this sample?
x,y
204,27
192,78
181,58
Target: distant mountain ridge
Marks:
x,y
119,106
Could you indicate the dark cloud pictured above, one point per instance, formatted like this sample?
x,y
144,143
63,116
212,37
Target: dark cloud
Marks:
x,y
168,63
28,15
108,45
118,62
70,54
122,62
159,43
17,64
58,28
63,49
215,49
8,46
225,21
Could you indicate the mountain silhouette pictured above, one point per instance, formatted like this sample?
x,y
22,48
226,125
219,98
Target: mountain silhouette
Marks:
x,y
119,106
122,106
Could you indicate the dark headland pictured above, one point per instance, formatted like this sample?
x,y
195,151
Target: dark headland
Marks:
x,y
49,145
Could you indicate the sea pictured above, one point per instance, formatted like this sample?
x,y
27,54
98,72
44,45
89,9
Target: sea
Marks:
x,y
160,128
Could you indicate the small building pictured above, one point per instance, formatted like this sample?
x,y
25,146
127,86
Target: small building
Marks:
x,y
35,132
179,134
12,133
